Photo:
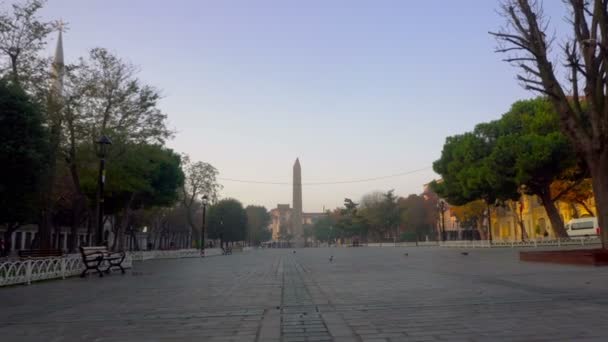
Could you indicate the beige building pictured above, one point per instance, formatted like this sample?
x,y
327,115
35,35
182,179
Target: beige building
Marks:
x,y
281,221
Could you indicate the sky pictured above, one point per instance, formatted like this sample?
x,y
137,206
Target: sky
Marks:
x,y
354,89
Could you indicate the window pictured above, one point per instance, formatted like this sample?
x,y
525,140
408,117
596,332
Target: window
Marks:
x,y
582,225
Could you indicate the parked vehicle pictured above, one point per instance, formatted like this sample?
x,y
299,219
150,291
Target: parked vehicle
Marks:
x,y
583,227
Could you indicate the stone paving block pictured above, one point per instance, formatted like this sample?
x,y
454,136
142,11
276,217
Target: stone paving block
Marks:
x,y
366,294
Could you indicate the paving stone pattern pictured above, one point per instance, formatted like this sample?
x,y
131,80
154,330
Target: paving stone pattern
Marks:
x,y
365,294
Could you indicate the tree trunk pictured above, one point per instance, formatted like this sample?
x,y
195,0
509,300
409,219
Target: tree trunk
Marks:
x,y
556,220
524,234
599,177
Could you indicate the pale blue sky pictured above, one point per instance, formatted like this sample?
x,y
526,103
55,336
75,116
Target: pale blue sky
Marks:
x,y
356,89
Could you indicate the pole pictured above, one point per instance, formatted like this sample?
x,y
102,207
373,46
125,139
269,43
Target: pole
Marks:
x,y
101,183
203,231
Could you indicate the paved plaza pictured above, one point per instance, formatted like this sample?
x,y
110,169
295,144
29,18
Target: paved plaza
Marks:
x,y
366,294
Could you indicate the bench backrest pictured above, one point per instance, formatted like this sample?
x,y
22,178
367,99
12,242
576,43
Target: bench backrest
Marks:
x,y
39,253
93,251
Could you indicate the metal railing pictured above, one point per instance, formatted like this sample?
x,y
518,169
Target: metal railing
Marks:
x,y
25,271
494,244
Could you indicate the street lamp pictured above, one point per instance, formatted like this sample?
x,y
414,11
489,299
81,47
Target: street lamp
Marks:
x,y
204,200
102,146
441,205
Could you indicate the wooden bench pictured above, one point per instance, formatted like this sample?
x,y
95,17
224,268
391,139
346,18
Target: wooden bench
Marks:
x,y
39,253
93,259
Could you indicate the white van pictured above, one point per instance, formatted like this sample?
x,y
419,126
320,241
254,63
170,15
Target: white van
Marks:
x,y
583,227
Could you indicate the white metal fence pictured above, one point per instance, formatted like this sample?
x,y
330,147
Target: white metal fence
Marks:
x,y
495,244
28,270
528,243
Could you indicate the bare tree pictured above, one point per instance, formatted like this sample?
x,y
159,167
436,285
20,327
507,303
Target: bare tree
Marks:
x,y
582,98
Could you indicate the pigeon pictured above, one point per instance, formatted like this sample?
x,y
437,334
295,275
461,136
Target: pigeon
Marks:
x,y
294,252
465,253
331,258
405,254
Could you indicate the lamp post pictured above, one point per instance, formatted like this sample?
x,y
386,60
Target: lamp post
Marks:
x,y
204,200
103,144
442,207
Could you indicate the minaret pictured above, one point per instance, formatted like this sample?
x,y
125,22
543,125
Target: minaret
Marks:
x,y
296,216
58,69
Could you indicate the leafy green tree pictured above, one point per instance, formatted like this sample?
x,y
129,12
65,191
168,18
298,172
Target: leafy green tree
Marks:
x,y
137,176
523,152
532,150
228,221
23,156
323,229
258,219
380,211
349,221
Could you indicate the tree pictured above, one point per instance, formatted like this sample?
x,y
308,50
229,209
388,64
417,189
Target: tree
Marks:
x,y
466,174
258,219
138,176
200,179
23,156
323,229
381,212
416,217
522,152
102,95
531,149
22,38
471,214
574,192
228,221
580,100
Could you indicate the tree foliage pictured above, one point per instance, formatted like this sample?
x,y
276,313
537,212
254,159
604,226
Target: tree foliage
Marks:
x,y
23,156
228,221
258,219
200,180
522,152
22,39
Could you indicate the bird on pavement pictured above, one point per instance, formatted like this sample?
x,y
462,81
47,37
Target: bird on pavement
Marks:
x,y
405,254
465,253
331,258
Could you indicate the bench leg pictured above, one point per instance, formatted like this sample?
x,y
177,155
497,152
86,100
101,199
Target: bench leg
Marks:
x,y
84,273
99,271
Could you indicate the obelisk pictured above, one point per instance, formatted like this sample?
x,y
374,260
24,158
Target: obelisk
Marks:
x,y
296,216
